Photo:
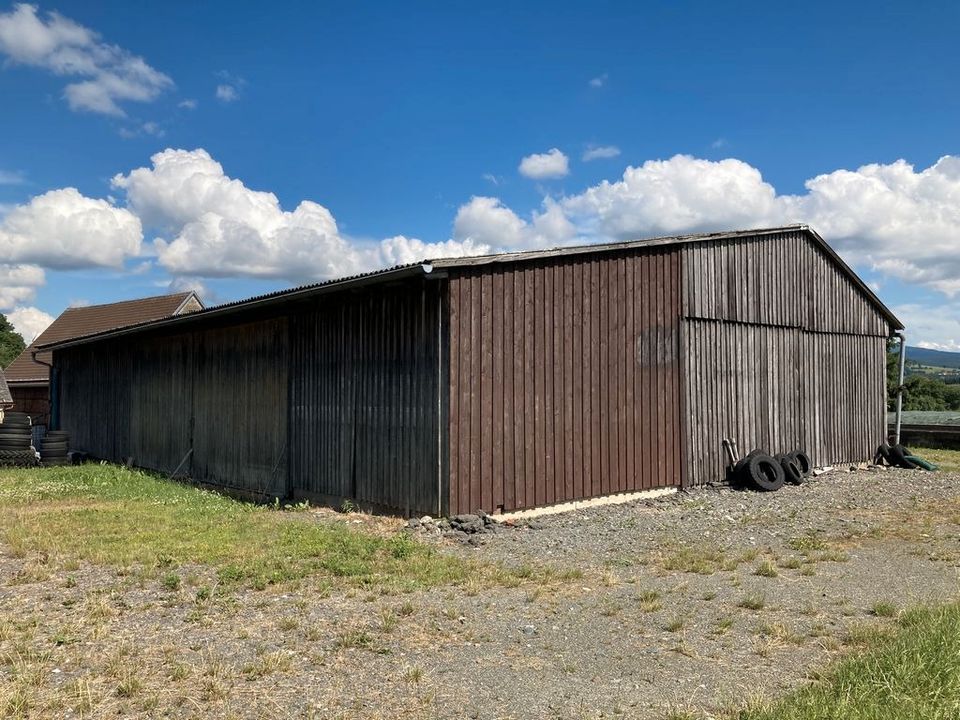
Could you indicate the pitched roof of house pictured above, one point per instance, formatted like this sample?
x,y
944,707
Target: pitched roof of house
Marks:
x,y
79,321
426,267
5,398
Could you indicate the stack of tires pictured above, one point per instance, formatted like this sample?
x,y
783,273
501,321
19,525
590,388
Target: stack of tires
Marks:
x,y
767,473
15,436
53,448
901,457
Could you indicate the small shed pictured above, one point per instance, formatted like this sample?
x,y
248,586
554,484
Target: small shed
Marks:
x,y
501,382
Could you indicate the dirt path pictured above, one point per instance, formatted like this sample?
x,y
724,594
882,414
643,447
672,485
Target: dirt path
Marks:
x,y
696,603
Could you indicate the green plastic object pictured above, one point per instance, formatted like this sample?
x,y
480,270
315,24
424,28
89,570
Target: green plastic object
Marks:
x,y
920,462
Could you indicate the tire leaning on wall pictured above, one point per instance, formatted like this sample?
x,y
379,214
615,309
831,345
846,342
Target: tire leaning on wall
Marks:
x,y
791,469
763,472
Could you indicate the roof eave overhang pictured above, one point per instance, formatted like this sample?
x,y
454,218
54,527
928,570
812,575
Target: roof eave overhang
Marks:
x,y
895,323
424,269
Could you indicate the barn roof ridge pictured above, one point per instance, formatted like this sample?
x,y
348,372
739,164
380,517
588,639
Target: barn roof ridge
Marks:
x,y
428,266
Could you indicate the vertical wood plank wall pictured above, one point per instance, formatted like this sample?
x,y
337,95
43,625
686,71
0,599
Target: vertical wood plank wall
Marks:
x,y
564,379
364,405
782,352
782,389
222,392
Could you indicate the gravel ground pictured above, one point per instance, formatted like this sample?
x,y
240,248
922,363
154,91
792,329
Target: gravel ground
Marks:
x,y
698,601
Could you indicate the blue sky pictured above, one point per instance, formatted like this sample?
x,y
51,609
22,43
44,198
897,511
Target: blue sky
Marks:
x,y
413,121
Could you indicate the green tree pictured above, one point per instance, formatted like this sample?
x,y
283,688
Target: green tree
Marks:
x,y
11,342
925,393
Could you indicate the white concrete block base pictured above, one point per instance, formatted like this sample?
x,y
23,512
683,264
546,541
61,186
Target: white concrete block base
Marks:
x,y
618,499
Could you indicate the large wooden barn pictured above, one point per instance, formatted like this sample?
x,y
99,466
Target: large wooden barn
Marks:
x,y
501,382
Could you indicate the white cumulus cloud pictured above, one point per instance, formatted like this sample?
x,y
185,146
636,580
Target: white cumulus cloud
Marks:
x,y
677,195
215,226
543,166
487,223
106,74
29,322
64,230
18,284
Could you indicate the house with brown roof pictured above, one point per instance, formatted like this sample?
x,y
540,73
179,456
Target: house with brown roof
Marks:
x,y
28,377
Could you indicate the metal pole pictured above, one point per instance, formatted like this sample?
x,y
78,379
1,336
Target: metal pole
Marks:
x,y
903,356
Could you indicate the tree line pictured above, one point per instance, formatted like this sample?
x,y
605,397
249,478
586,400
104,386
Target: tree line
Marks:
x,y
920,392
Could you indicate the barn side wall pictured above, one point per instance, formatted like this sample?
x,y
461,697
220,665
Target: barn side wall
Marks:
x,y
564,379
364,398
781,352
221,392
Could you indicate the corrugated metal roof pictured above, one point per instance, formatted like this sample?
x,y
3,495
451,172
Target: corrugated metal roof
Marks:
x,y
83,321
428,266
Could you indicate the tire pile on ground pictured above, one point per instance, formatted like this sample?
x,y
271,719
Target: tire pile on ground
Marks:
x,y
764,472
53,448
15,437
901,457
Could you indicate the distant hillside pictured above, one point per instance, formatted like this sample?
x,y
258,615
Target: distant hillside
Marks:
x,y
937,358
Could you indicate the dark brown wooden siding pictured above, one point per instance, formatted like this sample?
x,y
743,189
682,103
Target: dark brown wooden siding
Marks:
x,y
222,392
782,279
364,397
564,379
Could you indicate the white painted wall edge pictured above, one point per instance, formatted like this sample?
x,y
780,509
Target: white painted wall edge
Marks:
x,y
617,499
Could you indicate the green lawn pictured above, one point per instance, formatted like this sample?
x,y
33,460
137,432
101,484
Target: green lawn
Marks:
x,y
109,515
913,674
946,460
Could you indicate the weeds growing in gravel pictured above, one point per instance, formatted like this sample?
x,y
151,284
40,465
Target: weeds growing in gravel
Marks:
x,y
752,601
766,568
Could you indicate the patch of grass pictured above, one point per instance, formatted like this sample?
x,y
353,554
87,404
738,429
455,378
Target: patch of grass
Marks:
x,y
753,601
766,568
128,519
413,674
948,460
649,601
909,675
359,639
675,624
702,561
170,581
723,625
781,633
807,543
884,609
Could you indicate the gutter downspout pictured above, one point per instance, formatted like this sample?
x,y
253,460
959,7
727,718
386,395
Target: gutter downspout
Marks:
x,y
53,386
903,356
